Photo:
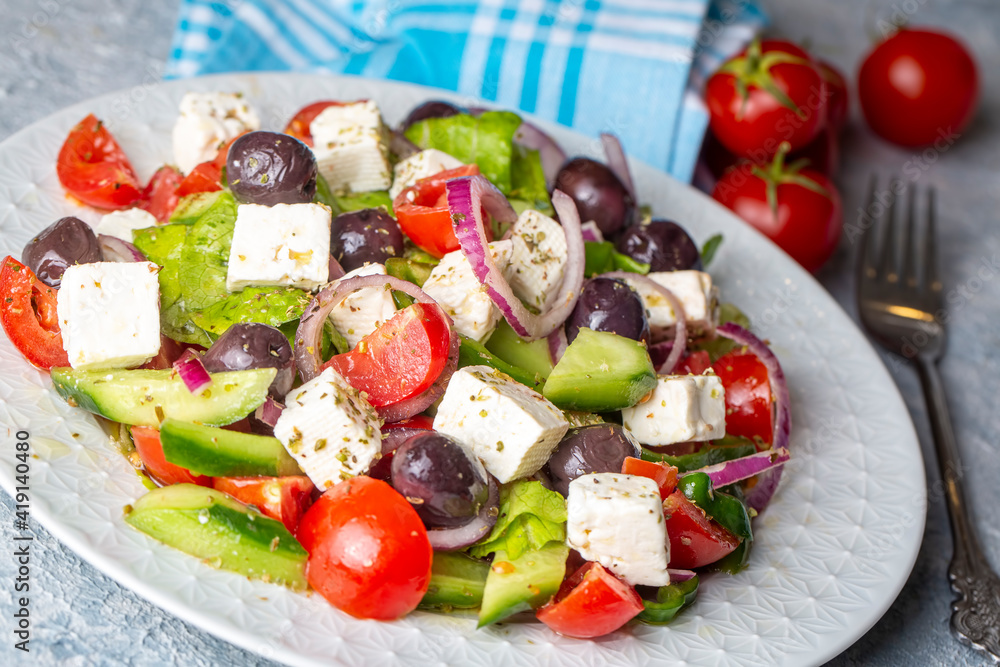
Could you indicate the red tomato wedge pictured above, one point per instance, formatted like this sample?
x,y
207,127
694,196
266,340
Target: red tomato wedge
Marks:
x,y
28,316
147,444
400,359
695,363
695,540
748,396
93,168
369,554
160,196
283,498
590,603
422,211
207,176
663,474
300,123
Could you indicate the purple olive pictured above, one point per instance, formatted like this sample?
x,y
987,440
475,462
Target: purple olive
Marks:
x,y
65,242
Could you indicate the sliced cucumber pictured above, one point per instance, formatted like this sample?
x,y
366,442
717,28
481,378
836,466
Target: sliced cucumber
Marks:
x,y
524,583
216,452
533,356
457,582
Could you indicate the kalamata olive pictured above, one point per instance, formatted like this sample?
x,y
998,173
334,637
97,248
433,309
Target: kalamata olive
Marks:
x,y
441,477
271,168
369,235
430,109
253,345
65,242
662,244
587,449
599,194
609,305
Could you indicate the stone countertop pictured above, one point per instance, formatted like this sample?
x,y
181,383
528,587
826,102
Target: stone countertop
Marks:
x,y
58,52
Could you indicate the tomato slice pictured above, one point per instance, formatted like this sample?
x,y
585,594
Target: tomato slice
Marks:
x,y
664,474
300,123
207,176
400,359
369,554
591,602
160,196
695,540
695,363
748,395
283,498
147,444
28,316
422,211
93,168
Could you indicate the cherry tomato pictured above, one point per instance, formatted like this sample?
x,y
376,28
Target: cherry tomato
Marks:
x,y
93,168
300,123
369,554
664,474
919,87
837,97
160,196
28,316
207,176
695,363
283,498
147,444
770,93
695,540
797,208
400,359
423,215
748,396
590,603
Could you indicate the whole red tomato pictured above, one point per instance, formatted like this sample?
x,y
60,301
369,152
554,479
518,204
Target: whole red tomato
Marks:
x,y
369,554
918,87
770,93
797,208
837,97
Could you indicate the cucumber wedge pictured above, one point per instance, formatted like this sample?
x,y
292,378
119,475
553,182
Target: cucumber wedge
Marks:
x,y
216,452
527,582
146,398
457,582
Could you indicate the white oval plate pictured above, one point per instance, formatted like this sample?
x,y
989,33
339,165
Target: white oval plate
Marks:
x,y
832,550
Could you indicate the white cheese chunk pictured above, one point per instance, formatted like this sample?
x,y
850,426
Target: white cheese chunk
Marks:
x,y
456,289
617,520
207,121
121,223
698,297
330,429
682,408
351,145
109,313
285,244
420,165
365,310
512,428
537,260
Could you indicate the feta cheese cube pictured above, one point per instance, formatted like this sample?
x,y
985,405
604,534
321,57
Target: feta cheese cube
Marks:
x,y
285,244
351,145
698,297
207,121
617,520
364,311
537,260
512,428
330,429
121,223
109,313
456,289
420,165
682,408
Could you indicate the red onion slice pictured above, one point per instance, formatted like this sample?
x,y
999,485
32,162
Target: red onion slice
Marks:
x,y
617,162
269,411
557,345
192,371
760,494
336,270
677,576
680,329
591,232
467,197
551,154
452,539
417,404
114,249
400,146
737,470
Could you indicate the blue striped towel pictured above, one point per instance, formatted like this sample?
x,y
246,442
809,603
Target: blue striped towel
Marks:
x,y
631,67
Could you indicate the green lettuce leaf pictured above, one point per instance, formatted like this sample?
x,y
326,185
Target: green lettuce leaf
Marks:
x,y
205,255
531,516
267,305
356,201
325,196
601,257
528,181
487,140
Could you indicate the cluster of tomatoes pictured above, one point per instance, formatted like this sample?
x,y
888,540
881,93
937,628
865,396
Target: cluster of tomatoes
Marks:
x,y
776,114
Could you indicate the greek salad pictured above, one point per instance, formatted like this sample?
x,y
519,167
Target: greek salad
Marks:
x,y
438,366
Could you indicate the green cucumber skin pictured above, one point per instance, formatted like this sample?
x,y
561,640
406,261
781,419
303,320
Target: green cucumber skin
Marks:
x,y
510,589
210,525
216,452
133,396
507,345
457,582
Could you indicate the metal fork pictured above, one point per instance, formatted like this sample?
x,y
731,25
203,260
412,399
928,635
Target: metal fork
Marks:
x,y
900,301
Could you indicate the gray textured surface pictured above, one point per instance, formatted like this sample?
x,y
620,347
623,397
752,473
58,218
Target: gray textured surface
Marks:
x,y
57,52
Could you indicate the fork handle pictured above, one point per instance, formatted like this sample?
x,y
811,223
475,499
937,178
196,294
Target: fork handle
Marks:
x,y
976,613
